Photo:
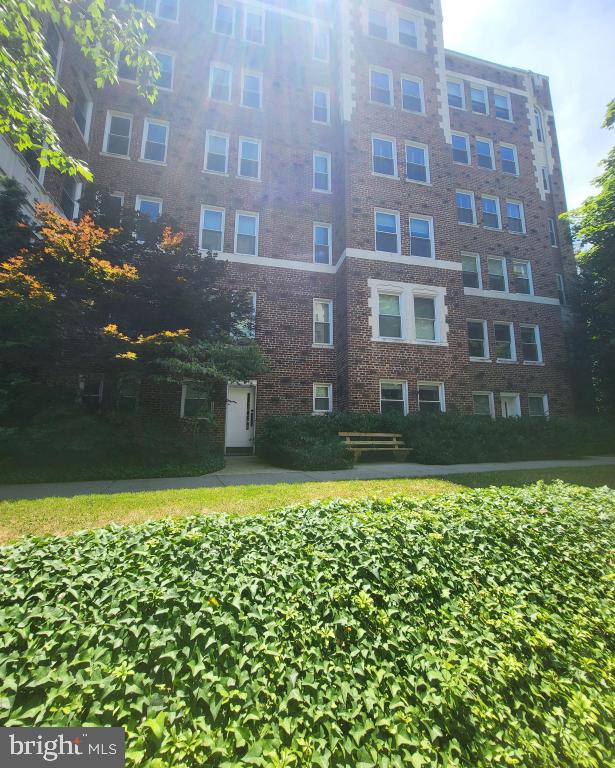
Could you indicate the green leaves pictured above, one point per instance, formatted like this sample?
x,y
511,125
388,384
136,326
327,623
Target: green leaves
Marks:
x,y
463,630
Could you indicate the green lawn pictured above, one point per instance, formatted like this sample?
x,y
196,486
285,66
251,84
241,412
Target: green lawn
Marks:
x,y
65,515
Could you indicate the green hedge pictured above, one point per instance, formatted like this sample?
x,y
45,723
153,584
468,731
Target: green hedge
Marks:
x,y
462,630
308,442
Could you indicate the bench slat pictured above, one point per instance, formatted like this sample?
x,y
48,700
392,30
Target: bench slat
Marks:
x,y
374,442
369,434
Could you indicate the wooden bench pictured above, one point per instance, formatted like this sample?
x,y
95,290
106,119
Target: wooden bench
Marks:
x,y
358,442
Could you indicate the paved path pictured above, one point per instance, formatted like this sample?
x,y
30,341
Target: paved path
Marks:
x,y
251,471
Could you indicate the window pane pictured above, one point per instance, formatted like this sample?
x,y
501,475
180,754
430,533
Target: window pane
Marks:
x,y
465,208
490,213
165,61
420,238
389,316
460,150
386,232
411,95
380,87
509,161
224,19
322,252
383,157
476,339
455,95
416,163
150,208
483,153
537,405
429,399
482,405
392,398
479,101
502,108
254,27
220,84
408,34
377,24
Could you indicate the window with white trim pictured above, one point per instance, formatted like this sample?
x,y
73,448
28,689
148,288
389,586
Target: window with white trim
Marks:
x,y
538,405
90,389
195,401
484,154
166,63
386,226
553,233
483,404
220,81
530,344
516,217
546,180
224,19
380,86
212,229
461,151
417,163
254,26
522,277
216,152
321,105
161,9
425,318
540,133
82,110
323,322
421,237
496,272
470,263
480,102
409,32
246,233
478,340
389,316
408,312
384,156
394,397
561,288
466,207
70,196
412,99
126,71
491,212
149,206
431,397
510,403
323,398
118,129
505,351
322,172
322,243
456,94
249,158
509,159
251,90
155,140
321,43
377,24
503,109
54,46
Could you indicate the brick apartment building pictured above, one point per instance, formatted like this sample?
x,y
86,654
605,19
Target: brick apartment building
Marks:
x,y
392,205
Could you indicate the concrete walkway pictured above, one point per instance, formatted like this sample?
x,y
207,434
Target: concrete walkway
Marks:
x,y
249,470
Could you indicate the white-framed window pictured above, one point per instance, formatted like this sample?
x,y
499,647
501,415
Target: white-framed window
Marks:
x,y
82,110
254,26
422,237
212,229
503,109
484,154
553,233
483,404
522,277
409,32
321,176
510,403
561,288
505,351
456,94
154,142
377,24
323,398
497,273
461,148
322,243
425,325
491,212
431,397
472,277
479,99
530,344
115,202
466,207
161,9
90,390
384,156
478,340
538,122
220,82
70,197
249,158
386,228
323,322
509,159
216,152
166,62
417,163
394,397
224,18
516,217
148,206
54,45
320,42
381,86
546,180
118,130
321,105
252,90
195,402
538,405
126,71
246,233
412,98
389,316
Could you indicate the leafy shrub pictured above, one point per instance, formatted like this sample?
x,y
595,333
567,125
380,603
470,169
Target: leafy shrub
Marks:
x,y
435,439
462,630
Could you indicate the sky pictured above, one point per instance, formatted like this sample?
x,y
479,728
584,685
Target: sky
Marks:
x,y
570,41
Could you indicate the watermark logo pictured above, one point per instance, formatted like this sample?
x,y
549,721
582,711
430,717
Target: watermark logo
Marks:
x,y
71,747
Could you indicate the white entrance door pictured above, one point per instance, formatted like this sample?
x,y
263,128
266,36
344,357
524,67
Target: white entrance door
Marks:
x,y
511,406
240,413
